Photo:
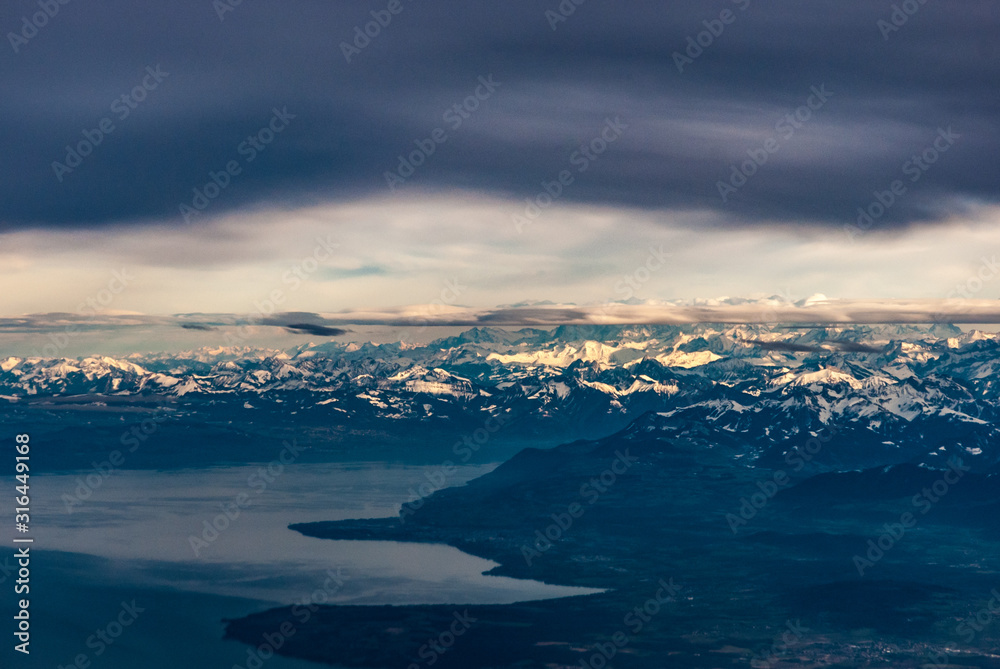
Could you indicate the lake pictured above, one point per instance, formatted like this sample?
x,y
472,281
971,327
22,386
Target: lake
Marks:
x,y
132,539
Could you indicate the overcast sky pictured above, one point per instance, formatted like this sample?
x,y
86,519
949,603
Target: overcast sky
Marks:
x,y
691,150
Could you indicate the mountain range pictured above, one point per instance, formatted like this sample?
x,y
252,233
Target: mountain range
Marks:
x,y
893,394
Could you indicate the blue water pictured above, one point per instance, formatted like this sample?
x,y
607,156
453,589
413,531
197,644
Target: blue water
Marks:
x,y
131,539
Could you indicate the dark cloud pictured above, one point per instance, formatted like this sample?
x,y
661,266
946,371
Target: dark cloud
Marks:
x,y
783,346
854,347
533,316
313,329
297,322
557,88
72,323
874,311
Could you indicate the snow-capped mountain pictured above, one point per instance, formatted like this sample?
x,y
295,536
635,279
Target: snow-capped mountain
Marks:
x,y
900,393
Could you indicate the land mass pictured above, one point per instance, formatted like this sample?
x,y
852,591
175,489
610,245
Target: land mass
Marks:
x,y
704,563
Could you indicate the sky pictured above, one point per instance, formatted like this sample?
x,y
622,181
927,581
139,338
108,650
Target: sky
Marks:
x,y
206,157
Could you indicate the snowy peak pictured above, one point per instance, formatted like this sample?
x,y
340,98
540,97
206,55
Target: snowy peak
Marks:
x,y
883,385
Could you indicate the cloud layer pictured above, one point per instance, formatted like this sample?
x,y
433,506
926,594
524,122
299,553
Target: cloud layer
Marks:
x,y
764,311
224,82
